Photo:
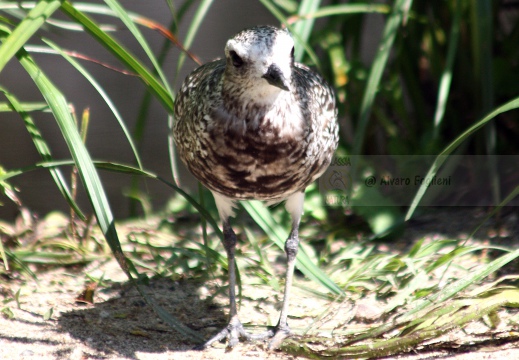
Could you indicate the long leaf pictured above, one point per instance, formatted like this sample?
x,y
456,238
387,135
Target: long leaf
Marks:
x,y
446,78
201,12
25,106
23,32
343,9
91,181
440,321
87,172
446,293
103,94
304,28
482,49
122,54
400,10
125,18
121,168
442,157
44,151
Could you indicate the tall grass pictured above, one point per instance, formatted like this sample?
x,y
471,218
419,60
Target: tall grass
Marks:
x,y
434,60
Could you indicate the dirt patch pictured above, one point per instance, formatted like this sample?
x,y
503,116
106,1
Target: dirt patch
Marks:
x,y
121,326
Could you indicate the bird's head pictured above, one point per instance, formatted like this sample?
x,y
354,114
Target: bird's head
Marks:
x,y
261,58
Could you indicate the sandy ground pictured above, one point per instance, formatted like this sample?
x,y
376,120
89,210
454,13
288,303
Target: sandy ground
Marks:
x,y
121,326
124,327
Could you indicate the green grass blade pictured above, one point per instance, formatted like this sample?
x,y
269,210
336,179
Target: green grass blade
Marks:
x,y
125,18
91,181
345,9
134,171
44,151
270,6
86,169
483,55
512,195
442,320
399,12
3,189
304,28
201,11
124,169
430,303
20,9
446,77
103,94
6,175
21,264
452,289
25,107
442,157
482,14
27,27
128,59
278,235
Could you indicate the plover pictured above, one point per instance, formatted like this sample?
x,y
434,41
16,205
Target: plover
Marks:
x,y
256,125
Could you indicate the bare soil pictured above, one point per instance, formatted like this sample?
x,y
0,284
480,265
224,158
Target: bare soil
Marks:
x,y
119,325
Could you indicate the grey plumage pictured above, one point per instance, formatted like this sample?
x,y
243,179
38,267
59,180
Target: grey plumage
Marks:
x,y
256,125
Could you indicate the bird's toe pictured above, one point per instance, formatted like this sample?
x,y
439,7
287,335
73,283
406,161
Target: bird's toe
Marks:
x,y
232,333
280,335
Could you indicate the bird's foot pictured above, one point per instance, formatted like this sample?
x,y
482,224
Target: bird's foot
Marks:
x,y
232,332
279,334
276,335
235,330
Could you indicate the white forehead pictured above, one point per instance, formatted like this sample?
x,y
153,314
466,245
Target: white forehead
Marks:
x,y
263,43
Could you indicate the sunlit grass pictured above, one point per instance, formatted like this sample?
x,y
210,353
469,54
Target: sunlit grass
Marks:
x,y
385,106
421,292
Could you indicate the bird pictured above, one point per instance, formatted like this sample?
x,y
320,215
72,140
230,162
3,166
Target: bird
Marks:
x,y
256,125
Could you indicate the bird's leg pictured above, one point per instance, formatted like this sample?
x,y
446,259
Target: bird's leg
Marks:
x,y
282,331
234,330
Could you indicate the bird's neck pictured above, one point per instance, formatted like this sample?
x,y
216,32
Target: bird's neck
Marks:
x,y
241,96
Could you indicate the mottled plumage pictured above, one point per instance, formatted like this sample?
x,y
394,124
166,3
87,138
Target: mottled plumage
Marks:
x,y
256,125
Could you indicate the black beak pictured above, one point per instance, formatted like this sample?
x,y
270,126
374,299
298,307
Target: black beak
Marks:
x,y
275,77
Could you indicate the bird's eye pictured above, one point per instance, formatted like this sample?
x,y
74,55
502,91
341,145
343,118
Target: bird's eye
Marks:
x,y
292,52
237,61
